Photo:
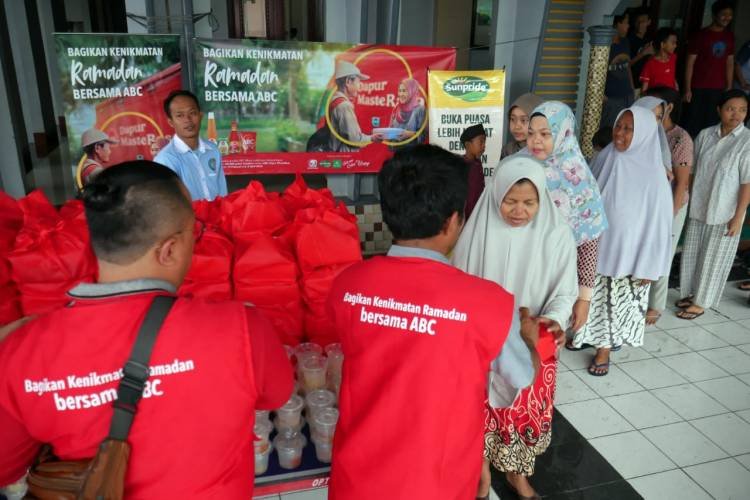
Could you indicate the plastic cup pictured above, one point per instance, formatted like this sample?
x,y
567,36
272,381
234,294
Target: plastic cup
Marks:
x,y
289,351
261,460
318,400
313,373
262,415
304,351
262,430
335,359
282,426
289,447
323,451
323,425
290,415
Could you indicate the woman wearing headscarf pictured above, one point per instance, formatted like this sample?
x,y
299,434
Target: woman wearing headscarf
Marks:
x,y
721,193
518,123
573,189
518,239
409,112
636,249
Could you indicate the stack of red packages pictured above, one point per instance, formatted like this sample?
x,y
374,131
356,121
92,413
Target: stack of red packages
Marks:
x,y
51,253
11,220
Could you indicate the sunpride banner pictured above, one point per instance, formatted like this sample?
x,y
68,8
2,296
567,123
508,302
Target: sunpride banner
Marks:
x,y
283,107
460,99
113,87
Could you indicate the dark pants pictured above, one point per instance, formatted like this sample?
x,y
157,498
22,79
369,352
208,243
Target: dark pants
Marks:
x,y
701,111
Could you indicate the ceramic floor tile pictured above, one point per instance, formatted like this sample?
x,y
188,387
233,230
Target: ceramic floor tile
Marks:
x,y
728,431
642,409
745,348
689,402
729,358
652,373
575,360
616,382
694,367
744,460
745,414
731,332
630,354
570,389
730,391
319,494
670,485
669,321
732,292
594,418
696,338
734,309
745,377
663,344
709,317
621,451
724,479
684,444
615,490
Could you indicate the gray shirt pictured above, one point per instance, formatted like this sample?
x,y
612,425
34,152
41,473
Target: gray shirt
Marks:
x,y
344,122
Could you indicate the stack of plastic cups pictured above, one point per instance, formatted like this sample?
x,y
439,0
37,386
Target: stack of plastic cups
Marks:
x,y
317,400
302,352
313,373
335,361
322,428
289,445
262,445
289,416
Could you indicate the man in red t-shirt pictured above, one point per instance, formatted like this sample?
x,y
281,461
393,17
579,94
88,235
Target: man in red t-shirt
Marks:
x,y
419,336
212,364
709,69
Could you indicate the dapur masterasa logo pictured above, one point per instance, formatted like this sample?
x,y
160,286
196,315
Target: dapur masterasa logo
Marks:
x,y
467,88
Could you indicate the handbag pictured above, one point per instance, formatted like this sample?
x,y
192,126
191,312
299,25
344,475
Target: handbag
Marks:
x,y
103,477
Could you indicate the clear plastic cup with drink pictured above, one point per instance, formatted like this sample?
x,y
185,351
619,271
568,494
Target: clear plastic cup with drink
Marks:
x,y
323,425
289,445
334,361
318,400
262,431
262,415
303,351
313,373
323,451
261,460
289,416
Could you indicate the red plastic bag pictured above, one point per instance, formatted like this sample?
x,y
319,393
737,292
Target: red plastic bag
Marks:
x,y
10,301
298,196
266,274
37,210
253,212
210,274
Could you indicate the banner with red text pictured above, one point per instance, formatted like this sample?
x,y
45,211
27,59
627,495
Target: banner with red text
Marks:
x,y
113,88
283,107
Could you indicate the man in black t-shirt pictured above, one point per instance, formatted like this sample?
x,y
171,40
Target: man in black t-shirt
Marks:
x,y
641,46
618,93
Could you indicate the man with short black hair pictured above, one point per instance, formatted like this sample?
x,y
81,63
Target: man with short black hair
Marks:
x,y
618,90
418,337
197,162
211,366
712,50
641,46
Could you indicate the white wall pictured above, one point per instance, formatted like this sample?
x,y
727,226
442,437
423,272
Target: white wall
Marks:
x,y
11,180
48,28
78,11
342,20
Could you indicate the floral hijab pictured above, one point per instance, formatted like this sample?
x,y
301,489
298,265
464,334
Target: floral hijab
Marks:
x,y
569,180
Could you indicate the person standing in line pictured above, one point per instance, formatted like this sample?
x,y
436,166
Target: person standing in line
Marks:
x,y
661,69
635,250
681,150
474,140
419,338
641,48
552,140
197,162
520,240
709,69
192,435
618,92
721,194
518,123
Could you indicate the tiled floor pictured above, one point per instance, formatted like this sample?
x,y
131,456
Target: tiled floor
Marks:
x,y
673,417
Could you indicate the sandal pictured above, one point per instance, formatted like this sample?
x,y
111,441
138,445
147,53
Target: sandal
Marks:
x,y
593,367
689,316
683,303
569,346
745,286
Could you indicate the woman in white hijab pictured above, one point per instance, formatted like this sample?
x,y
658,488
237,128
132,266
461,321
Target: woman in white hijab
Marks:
x,y
636,249
520,240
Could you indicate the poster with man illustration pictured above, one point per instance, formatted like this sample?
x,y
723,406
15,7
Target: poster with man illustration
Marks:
x,y
284,107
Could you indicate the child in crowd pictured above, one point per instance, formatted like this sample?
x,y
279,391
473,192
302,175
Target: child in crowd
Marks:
x,y
660,70
474,140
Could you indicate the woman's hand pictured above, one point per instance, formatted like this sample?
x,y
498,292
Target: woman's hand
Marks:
x,y
554,327
580,314
734,226
405,134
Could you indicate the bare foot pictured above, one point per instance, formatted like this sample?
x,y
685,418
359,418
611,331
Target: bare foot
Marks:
x,y
600,364
652,316
521,485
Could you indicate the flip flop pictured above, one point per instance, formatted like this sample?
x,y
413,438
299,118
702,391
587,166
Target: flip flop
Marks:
x,y
745,285
688,315
615,348
683,303
597,366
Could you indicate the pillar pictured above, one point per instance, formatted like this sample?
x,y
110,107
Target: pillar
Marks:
x,y
600,38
